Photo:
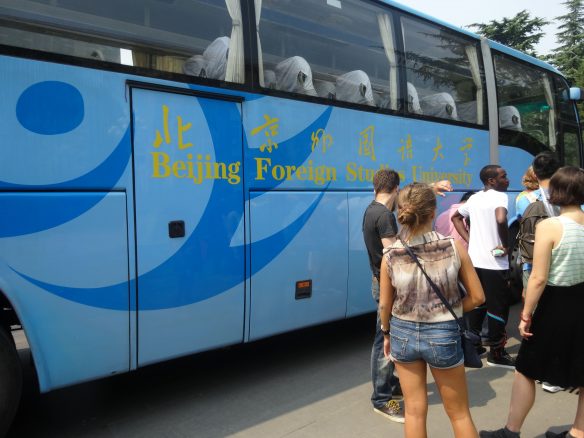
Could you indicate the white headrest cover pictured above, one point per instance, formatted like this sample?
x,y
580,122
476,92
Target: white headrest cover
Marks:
x,y
216,57
269,79
325,89
355,87
439,105
509,118
294,75
195,66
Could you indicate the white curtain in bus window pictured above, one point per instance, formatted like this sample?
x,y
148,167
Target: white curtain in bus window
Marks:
x,y
385,29
526,99
332,39
549,98
235,62
445,71
475,69
258,15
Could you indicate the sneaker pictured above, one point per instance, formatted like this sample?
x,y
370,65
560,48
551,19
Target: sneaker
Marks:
x,y
397,393
565,434
500,358
392,411
551,388
500,433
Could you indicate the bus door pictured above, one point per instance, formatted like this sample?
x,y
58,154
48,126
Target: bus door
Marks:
x,y
188,212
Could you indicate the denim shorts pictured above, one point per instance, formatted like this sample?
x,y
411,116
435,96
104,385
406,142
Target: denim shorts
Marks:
x,y
437,343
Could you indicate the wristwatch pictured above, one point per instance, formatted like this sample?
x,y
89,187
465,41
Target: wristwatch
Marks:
x,y
384,331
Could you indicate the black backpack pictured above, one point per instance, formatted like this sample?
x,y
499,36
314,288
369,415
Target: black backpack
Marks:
x,y
533,214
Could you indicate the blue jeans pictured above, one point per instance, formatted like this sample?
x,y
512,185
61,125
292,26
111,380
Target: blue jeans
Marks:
x,y
436,343
384,382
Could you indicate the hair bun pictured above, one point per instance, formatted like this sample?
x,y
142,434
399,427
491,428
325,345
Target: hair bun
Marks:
x,y
407,216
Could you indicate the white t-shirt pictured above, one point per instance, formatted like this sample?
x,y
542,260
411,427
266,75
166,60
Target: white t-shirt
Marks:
x,y
484,236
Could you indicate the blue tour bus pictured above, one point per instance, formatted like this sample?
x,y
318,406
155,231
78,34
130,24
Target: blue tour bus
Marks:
x,y
178,176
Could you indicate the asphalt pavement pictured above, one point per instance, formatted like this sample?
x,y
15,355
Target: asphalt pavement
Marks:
x,y
310,383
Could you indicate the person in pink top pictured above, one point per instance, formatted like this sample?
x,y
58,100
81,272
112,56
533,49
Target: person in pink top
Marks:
x,y
444,225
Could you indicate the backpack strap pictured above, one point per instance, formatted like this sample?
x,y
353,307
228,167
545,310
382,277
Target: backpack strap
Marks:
x,y
548,207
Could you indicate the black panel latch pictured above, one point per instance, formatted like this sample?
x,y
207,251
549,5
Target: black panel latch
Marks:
x,y
176,229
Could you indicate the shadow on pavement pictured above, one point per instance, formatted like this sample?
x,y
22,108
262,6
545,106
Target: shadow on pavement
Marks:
x,y
210,394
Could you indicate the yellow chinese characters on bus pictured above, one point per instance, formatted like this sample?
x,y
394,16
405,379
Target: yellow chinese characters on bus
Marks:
x,y
181,128
270,130
366,144
318,175
438,150
465,149
407,148
169,163
321,140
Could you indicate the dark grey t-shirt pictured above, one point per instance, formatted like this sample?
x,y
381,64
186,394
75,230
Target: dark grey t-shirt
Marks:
x,y
378,222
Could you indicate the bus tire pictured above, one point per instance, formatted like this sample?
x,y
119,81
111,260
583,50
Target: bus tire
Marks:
x,y
10,380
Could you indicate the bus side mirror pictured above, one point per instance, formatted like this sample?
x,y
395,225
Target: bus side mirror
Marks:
x,y
577,94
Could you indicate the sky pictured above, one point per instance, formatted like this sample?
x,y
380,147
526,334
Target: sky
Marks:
x,y
464,12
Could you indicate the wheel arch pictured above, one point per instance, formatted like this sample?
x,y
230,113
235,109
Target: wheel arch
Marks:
x,y
11,321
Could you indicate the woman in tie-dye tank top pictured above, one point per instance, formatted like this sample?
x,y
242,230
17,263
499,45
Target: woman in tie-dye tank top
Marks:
x,y
422,331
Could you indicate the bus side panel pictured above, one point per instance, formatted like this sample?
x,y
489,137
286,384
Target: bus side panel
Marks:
x,y
315,225
359,299
68,283
189,207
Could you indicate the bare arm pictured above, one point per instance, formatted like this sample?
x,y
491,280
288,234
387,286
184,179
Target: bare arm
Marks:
x,y
458,222
502,227
546,233
469,279
386,295
542,252
388,241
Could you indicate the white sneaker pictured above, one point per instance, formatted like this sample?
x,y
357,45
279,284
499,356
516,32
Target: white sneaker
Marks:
x,y
551,388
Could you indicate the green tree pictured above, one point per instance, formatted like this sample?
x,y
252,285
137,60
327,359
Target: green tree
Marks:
x,y
569,55
522,32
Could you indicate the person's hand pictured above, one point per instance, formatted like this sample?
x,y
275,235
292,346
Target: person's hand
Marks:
x,y
525,327
441,186
386,346
502,248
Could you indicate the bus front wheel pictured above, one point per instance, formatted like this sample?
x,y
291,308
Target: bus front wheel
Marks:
x,y
10,380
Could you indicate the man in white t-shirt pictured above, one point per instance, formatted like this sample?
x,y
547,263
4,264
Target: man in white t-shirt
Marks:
x,y
488,248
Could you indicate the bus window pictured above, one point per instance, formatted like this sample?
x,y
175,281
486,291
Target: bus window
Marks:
x,y
568,123
195,37
445,70
527,115
571,144
342,50
566,107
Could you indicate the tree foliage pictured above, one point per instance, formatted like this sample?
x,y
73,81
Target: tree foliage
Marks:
x,y
570,52
522,32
